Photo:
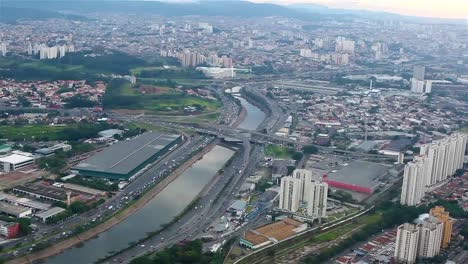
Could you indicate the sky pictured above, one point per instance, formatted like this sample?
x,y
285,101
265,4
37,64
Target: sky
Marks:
x,y
424,8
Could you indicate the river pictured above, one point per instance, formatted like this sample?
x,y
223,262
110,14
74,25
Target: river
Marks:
x,y
254,117
170,202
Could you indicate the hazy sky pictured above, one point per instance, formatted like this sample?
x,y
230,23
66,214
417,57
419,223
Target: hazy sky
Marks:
x,y
427,8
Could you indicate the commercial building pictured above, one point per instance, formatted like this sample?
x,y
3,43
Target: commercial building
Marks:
x,y
272,233
109,133
24,202
125,158
13,210
304,189
9,229
46,193
49,151
437,161
406,247
15,161
44,216
447,221
357,176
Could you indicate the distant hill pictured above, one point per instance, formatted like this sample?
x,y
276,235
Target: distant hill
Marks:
x,y
11,15
324,10
203,8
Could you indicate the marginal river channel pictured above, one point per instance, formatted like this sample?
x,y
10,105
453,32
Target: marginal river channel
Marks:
x,y
163,207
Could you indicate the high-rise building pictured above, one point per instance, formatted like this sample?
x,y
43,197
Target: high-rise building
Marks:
x,y
290,196
406,247
430,237
304,188
317,198
437,161
447,221
419,73
413,187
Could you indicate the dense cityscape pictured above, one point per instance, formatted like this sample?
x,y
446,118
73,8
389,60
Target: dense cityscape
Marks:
x,y
231,132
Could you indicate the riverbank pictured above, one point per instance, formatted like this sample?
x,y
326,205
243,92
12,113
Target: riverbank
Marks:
x,y
240,118
117,218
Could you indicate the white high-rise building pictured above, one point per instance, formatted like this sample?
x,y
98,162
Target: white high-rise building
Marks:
x,y
344,45
290,197
317,198
430,237
304,188
419,73
445,157
437,161
413,188
3,49
406,247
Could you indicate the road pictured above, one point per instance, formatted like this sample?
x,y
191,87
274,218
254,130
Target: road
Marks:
x,y
50,234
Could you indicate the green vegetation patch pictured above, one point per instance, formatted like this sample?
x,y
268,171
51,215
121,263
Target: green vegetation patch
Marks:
x,y
48,133
122,95
277,151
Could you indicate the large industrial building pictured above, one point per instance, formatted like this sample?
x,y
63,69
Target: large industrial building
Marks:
x,y
358,176
125,158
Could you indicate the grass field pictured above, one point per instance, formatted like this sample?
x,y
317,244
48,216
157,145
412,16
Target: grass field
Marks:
x,y
277,151
29,132
168,101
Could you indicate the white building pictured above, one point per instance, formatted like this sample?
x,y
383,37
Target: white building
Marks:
x,y
430,237
437,161
406,246
413,188
217,73
304,188
344,45
422,87
290,197
16,160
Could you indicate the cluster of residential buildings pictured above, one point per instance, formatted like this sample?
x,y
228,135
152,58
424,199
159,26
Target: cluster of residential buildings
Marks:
x,y
193,59
425,238
304,193
49,94
436,161
346,117
46,53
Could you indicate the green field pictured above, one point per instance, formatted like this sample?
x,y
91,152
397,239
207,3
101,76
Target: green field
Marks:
x,y
122,95
47,132
30,131
277,151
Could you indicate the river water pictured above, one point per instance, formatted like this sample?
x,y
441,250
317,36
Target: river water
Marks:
x,y
254,117
170,202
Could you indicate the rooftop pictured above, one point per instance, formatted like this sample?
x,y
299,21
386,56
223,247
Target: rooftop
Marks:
x,y
12,209
15,159
51,212
360,173
278,231
125,156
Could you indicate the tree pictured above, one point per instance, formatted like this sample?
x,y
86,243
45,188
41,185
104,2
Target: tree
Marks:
x,y
297,155
310,149
25,226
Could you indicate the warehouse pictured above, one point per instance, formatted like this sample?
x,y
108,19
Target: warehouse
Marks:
x,y
13,210
358,176
125,158
16,160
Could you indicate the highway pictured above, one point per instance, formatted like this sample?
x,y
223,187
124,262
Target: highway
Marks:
x,y
50,234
